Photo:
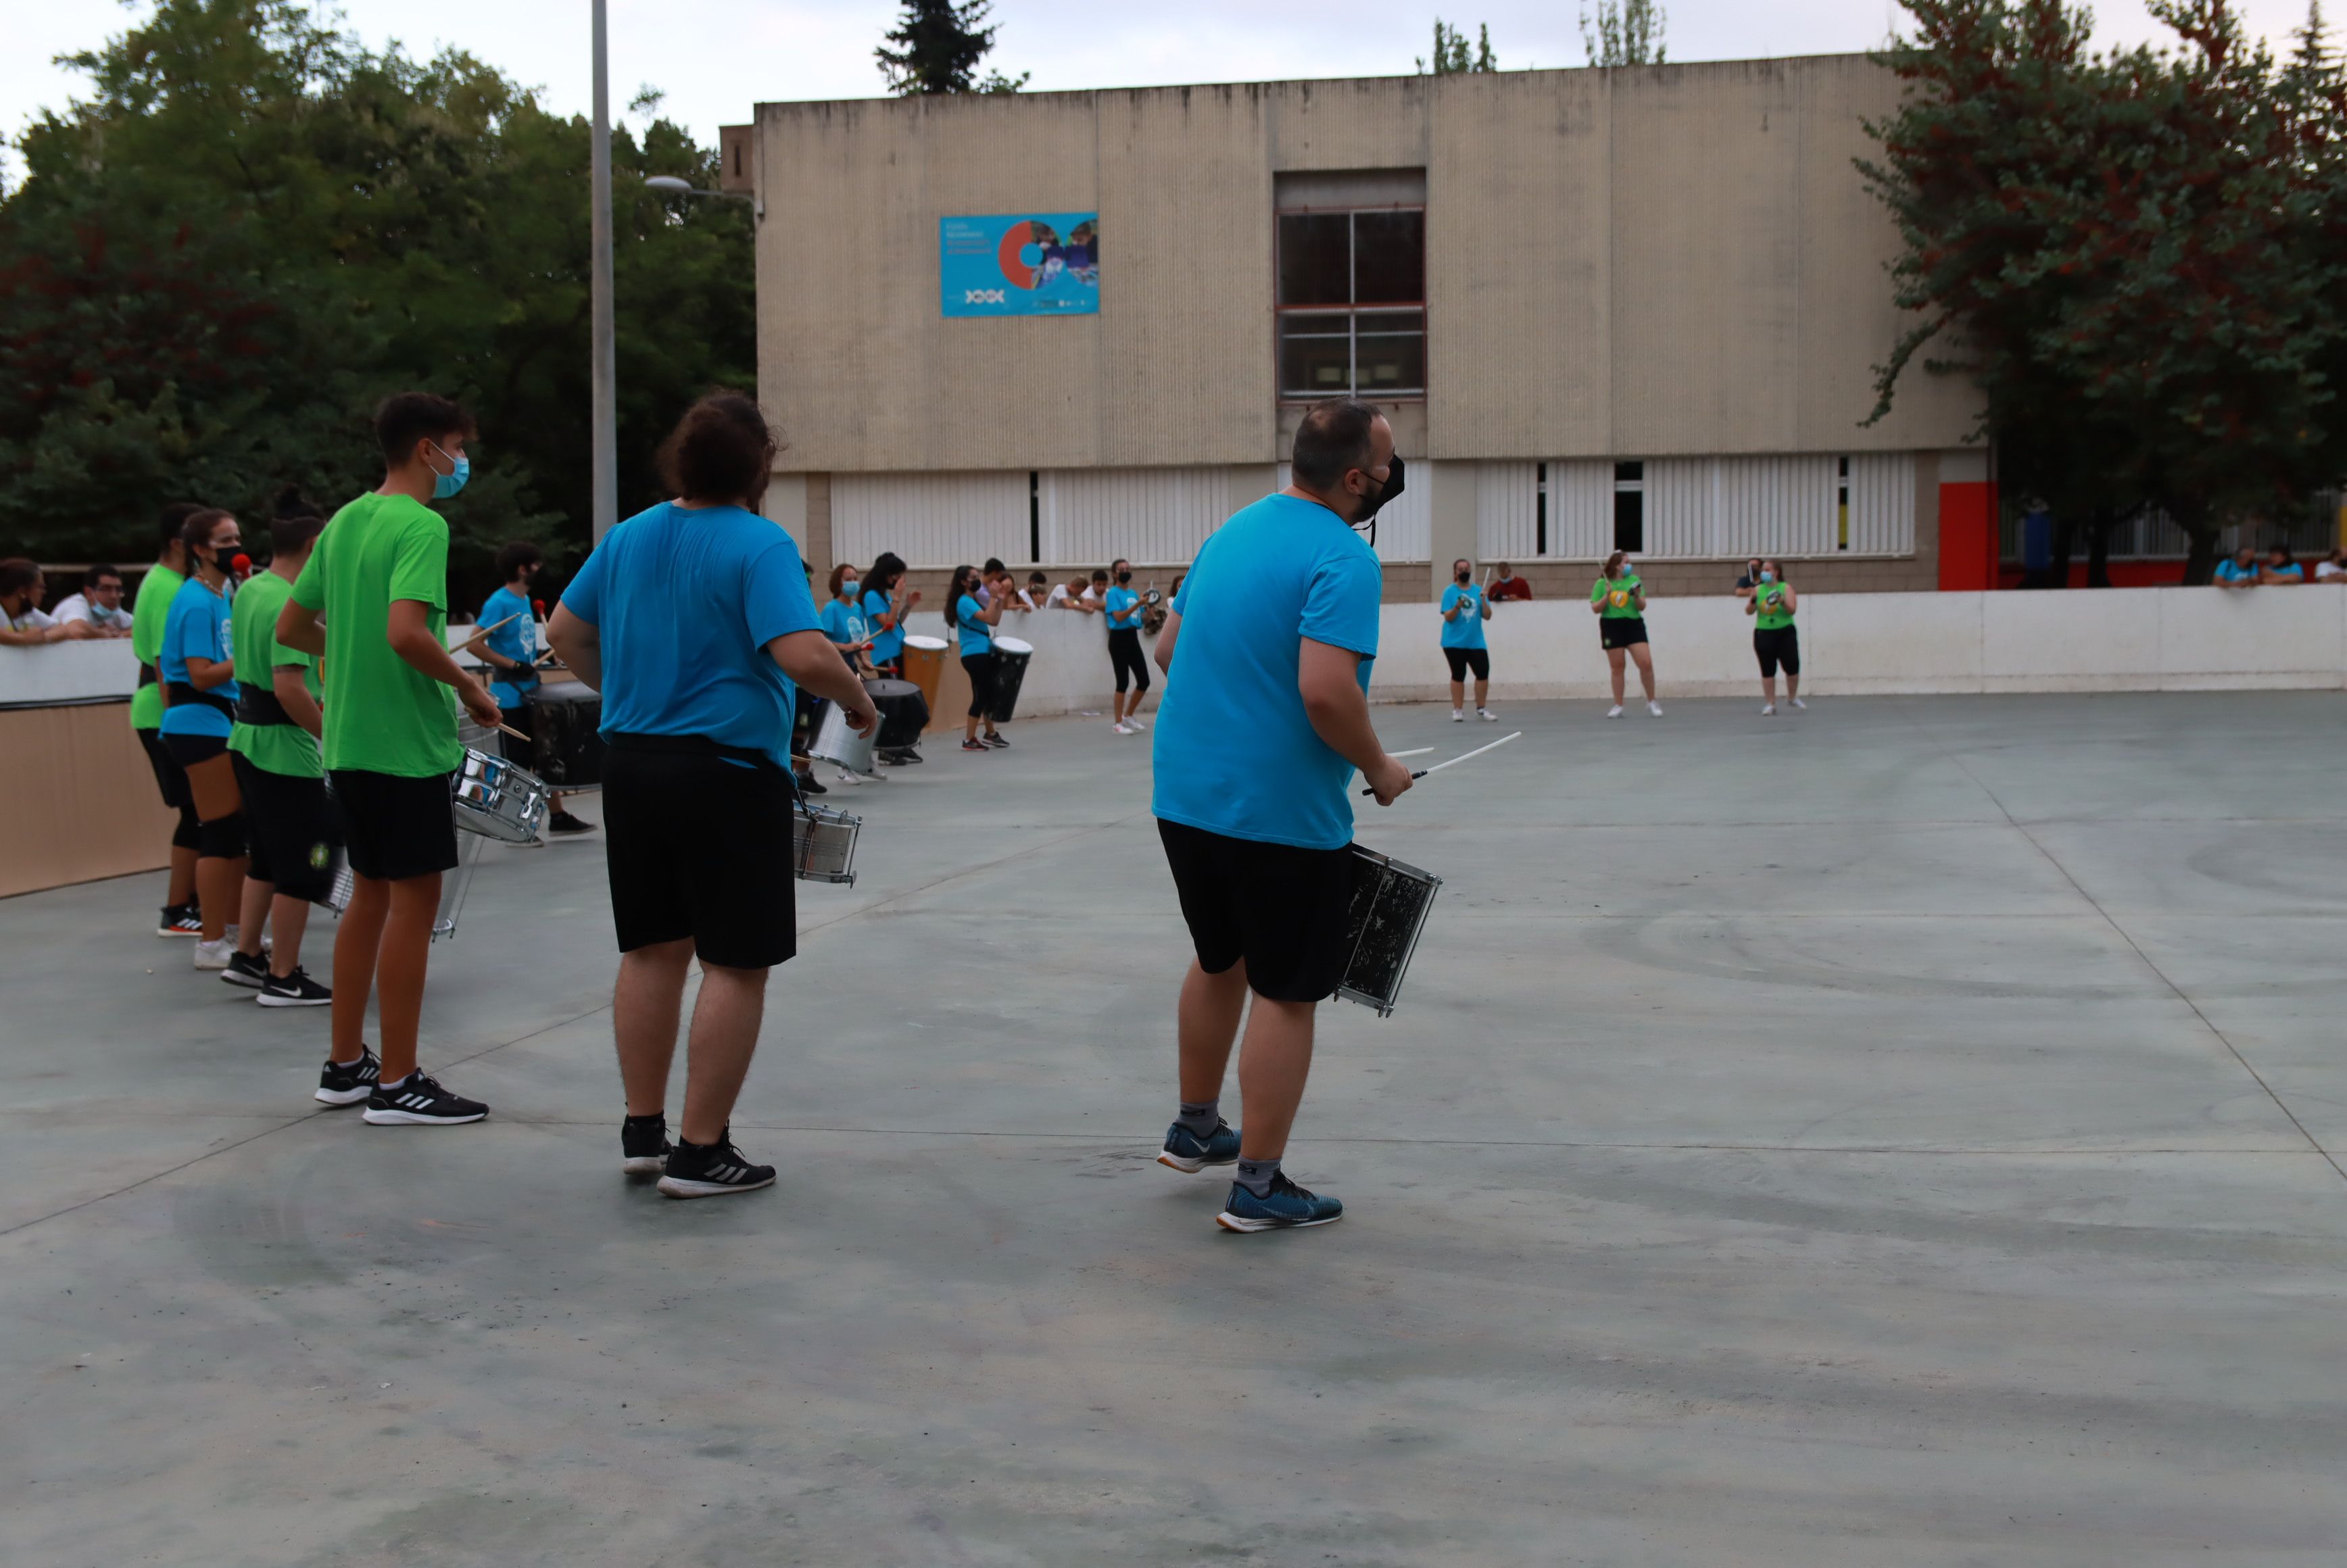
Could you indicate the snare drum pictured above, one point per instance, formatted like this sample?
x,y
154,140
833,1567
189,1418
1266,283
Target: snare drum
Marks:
x,y
823,843
1390,903
835,742
565,740
903,714
498,800
1010,657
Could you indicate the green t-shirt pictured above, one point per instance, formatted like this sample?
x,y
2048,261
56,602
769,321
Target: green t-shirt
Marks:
x,y
1772,613
252,623
152,609
383,715
1616,595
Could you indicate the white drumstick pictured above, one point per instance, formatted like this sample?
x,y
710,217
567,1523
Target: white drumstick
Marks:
x,y
1417,751
1454,762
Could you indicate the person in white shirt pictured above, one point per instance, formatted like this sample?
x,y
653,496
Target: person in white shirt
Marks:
x,y
98,605
23,623
1033,596
2331,567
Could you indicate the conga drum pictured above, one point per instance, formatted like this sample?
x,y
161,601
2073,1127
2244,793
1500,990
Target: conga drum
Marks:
x,y
566,739
1010,657
903,714
924,666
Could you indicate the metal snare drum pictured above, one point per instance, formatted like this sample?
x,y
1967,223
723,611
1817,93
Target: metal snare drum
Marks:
x,y
835,742
1390,903
823,843
498,800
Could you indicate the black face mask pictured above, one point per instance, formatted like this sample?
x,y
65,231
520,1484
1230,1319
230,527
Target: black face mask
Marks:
x,y
1125,577
1463,576
1385,492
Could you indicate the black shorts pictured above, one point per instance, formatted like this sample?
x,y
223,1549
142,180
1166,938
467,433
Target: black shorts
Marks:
x,y
700,846
1280,908
1621,631
1462,660
1125,657
189,751
1778,645
397,827
170,778
289,823
981,668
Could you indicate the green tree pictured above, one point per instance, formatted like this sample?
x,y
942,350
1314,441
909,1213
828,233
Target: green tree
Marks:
x,y
1624,33
2136,256
253,229
1451,56
939,44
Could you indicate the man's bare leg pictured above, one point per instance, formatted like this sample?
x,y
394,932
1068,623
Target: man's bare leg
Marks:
x,y
1206,1025
357,937
399,966
725,1019
1273,1065
647,1004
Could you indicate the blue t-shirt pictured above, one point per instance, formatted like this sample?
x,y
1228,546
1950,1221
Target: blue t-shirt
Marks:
x,y
199,623
886,645
515,640
2293,571
976,637
1235,752
1467,632
844,623
686,602
2229,571
1124,609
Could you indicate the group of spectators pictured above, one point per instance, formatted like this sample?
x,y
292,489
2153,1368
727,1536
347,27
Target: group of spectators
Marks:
x,y
2279,569
95,611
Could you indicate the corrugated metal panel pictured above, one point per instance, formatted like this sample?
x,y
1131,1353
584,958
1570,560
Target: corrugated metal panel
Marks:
x,y
930,519
1730,506
1154,516
1581,508
1507,502
1406,529
1883,504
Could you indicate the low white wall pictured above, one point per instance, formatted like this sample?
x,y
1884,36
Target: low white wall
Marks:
x,y
68,671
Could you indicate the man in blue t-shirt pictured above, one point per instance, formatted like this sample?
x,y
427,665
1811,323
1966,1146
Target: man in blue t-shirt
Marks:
x,y
1266,714
511,652
1464,611
693,620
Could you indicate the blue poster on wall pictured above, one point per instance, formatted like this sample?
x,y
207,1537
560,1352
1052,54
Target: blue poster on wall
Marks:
x,y
1031,264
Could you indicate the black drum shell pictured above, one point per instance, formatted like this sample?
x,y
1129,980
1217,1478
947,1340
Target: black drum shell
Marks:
x,y
565,740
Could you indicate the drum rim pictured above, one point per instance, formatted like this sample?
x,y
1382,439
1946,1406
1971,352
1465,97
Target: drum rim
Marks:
x,y
924,642
1013,645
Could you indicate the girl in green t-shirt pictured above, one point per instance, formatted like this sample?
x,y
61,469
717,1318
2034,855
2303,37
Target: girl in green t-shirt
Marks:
x,y
1773,637
1619,601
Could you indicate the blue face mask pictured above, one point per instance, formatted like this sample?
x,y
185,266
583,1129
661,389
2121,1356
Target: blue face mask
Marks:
x,y
1768,577
446,485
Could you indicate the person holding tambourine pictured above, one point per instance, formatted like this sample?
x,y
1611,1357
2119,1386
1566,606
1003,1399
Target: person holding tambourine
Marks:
x,y
1619,601
1464,611
1775,640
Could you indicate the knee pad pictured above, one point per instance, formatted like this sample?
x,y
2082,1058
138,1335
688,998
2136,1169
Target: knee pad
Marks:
x,y
189,834
223,838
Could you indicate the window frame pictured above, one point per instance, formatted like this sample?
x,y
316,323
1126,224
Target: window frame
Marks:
x,y
1351,311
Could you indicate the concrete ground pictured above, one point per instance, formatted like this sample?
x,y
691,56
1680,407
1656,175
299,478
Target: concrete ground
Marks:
x,y
1888,1134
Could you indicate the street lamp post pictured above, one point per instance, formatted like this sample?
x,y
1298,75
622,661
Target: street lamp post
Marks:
x,y
604,413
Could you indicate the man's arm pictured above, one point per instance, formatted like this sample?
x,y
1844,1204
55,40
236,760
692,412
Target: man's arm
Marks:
x,y
579,643
814,662
298,628
293,696
1165,650
1329,678
410,636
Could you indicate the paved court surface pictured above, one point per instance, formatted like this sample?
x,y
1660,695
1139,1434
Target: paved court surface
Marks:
x,y
1888,1134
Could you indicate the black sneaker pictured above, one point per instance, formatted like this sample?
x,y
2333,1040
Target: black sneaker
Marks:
x,y
698,1172
420,1101
180,920
905,757
251,973
295,991
563,822
644,1147
999,741
808,787
975,746
348,1082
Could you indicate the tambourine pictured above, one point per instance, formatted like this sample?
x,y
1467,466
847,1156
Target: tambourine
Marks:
x,y
1153,597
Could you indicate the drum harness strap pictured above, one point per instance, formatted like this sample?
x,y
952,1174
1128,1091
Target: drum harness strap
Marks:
x,y
260,708
178,692
146,675
694,746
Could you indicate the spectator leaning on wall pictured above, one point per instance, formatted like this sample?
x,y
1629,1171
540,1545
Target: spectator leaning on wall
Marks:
x,y
1508,585
98,605
21,587
2331,567
2239,569
2280,568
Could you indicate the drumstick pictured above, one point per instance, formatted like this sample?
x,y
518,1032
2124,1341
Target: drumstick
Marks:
x,y
466,645
1454,762
1415,752
517,735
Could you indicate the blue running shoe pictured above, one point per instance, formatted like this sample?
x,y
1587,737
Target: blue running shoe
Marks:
x,y
1285,1207
1185,1151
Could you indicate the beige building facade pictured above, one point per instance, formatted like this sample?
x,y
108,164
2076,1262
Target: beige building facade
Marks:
x,y
1651,301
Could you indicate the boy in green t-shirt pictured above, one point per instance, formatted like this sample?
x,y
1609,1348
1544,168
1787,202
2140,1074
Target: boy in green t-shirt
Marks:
x,y
148,611
379,577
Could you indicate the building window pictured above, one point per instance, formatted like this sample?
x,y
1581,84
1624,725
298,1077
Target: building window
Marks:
x,y
1352,304
1630,507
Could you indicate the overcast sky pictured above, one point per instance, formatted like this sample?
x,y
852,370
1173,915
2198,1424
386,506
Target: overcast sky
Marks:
x,y
714,59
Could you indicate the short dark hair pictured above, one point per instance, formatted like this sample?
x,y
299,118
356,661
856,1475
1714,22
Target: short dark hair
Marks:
x,y
994,567
722,450
290,502
201,524
405,418
1333,439
515,555
292,534
1100,574
17,574
1037,577
173,518
89,578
